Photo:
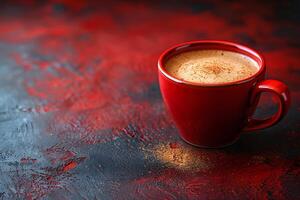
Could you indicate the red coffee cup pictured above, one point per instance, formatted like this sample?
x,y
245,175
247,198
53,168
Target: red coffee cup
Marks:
x,y
214,115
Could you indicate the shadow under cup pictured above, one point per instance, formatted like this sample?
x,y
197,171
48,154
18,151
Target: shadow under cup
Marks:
x,y
214,114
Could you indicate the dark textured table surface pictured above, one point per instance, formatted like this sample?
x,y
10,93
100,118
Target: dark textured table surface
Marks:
x,y
81,115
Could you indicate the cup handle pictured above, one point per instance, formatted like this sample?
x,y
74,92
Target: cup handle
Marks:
x,y
281,92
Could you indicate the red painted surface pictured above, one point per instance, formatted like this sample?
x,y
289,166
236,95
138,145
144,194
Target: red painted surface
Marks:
x,y
79,93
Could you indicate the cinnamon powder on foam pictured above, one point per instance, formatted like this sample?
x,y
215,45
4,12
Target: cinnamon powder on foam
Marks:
x,y
211,66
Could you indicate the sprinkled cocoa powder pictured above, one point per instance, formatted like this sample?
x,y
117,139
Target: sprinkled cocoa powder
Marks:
x,y
180,157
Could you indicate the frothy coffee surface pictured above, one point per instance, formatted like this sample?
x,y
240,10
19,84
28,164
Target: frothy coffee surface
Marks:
x,y
211,66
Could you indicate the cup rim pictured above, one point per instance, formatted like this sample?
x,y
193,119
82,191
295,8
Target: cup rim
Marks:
x,y
223,43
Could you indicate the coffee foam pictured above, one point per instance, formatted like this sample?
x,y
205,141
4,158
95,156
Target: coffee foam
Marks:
x,y
211,66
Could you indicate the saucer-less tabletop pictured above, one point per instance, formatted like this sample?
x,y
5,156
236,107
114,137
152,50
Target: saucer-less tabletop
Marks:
x,y
81,115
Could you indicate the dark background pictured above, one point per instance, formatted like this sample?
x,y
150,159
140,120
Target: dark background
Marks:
x,y
81,115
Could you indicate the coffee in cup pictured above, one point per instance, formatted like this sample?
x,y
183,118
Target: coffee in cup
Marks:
x,y
211,66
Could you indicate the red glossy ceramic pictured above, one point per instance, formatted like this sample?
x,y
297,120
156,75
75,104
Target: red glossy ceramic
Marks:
x,y
214,115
